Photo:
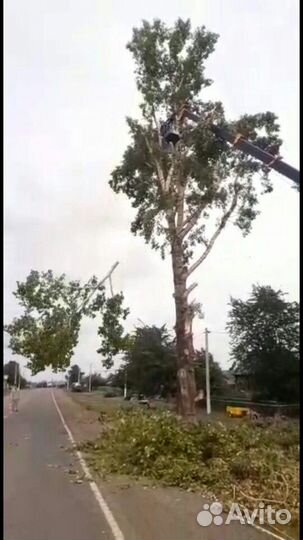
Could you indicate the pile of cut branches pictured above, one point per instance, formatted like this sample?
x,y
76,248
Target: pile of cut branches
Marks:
x,y
245,463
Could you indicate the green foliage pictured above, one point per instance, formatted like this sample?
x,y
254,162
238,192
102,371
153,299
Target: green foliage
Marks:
x,y
96,380
204,176
47,332
74,374
112,333
216,376
265,343
149,364
184,197
245,460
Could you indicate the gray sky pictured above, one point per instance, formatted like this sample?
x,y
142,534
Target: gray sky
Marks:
x,y
69,85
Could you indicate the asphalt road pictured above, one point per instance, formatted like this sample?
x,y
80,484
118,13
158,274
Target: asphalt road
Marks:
x,y
41,499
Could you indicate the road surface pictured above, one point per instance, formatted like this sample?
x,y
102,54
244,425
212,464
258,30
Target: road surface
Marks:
x,y
44,498
41,500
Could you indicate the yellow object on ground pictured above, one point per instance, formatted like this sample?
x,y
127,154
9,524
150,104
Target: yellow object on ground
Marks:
x,y
237,412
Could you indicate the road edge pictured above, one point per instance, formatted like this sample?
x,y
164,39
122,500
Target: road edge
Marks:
x,y
114,527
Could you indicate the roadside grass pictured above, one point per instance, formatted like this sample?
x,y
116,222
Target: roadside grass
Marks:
x,y
95,401
240,462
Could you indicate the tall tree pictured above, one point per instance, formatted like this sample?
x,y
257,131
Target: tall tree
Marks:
x,y
185,197
47,332
264,334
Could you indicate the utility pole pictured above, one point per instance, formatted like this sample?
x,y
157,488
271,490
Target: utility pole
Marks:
x,y
19,378
16,374
90,379
208,406
79,375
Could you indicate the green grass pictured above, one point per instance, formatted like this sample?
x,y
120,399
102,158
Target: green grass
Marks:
x,y
95,401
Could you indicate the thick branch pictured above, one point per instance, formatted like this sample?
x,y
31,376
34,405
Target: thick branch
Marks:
x,y
157,165
221,226
157,125
170,175
108,276
190,223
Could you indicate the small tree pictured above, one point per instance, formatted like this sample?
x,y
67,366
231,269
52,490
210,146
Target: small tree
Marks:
x,y
184,198
47,332
264,334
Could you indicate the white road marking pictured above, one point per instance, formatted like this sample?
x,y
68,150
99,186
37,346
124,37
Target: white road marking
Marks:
x,y
268,532
117,533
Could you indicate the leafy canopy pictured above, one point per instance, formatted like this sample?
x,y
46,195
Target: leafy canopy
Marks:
x,y
264,334
48,330
175,193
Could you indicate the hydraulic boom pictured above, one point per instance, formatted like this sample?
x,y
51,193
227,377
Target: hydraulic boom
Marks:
x,y
238,141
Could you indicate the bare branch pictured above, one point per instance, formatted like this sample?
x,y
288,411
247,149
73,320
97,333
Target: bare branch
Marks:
x,y
191,288
170,174
221,226
176,90
157,125
204,242
157,165
108,276
190,222
111,285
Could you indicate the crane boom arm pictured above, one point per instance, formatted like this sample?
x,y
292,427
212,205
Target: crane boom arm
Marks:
x,y
274,162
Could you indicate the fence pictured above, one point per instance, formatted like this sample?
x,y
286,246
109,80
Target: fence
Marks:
x,y
265,408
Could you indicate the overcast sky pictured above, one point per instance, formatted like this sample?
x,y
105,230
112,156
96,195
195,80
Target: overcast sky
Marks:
x,y
69,85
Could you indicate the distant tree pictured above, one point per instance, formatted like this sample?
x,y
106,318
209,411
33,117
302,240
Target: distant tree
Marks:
x,y
149,362
150,365
12,370
264,334
184,194
74,374
96,380
216,376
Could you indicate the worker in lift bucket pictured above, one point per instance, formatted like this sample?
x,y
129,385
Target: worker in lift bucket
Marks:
x,y
15,396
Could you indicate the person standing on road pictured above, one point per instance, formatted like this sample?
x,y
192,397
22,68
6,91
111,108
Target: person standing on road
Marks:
x,y
15,396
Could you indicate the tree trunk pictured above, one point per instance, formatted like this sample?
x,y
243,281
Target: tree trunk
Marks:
x,y
184,338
